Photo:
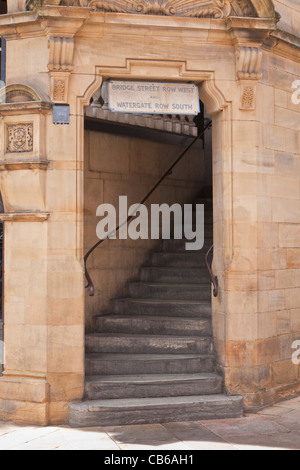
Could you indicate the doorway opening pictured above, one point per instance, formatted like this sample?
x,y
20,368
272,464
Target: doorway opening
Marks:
x,y
125,154
149,342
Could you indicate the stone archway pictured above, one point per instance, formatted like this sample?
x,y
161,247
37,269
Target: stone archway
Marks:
x,y
220,109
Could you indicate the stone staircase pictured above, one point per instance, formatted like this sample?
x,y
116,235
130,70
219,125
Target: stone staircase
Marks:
x,y
152,359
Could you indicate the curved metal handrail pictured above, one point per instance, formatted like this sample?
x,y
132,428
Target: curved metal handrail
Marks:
x,y
213,279
90,284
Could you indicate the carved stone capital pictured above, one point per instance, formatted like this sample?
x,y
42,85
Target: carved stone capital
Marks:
x,y
61,54
249,61
60,67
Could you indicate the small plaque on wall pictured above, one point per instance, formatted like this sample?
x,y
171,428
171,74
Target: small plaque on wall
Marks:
x,y
61,114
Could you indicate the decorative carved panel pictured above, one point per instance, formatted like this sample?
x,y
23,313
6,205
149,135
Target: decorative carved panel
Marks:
x,y
186,8
19,138
59,88
248,97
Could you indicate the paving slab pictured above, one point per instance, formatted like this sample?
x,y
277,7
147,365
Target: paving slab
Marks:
x,y
274,428
280,441
253,425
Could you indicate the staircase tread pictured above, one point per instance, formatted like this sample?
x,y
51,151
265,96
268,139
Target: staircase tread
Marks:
x,y
144,357
174,268
120,403
152,317
151,336
151,378
164,301
190,253
171,284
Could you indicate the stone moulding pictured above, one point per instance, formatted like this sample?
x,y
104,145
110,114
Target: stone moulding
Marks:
x,y
13,165
185,8
21,99
188,8
24,216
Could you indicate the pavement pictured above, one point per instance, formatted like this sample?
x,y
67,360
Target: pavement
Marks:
x,y
274,428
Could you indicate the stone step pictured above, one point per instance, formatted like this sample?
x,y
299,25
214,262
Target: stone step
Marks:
x,y
164,308
130,364
131,411
170,291
180,245
187,259
147,344
151,386
154,325
170,274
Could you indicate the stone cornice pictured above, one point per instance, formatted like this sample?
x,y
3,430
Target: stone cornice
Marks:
x,y
24,216
29,107
12,165
53,20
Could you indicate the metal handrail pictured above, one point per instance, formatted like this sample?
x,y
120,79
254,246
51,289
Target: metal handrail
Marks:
x,y
90,284
213,279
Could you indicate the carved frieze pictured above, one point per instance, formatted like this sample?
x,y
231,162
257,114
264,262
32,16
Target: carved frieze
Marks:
x,y
19,138
185,8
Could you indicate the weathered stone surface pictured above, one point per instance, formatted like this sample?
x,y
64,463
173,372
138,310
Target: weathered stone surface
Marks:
x,y
146,386
256,225
155,410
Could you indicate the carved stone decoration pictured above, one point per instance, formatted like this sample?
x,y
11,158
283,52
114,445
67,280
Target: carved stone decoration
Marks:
x,y
249,61
61,54
59,88
60,67
242,8
185,8
19,138
248,95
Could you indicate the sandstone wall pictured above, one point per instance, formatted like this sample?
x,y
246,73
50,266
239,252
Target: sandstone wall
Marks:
x,y
289,11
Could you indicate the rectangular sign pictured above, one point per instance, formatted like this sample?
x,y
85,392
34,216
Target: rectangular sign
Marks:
x,y
153,98
61,114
